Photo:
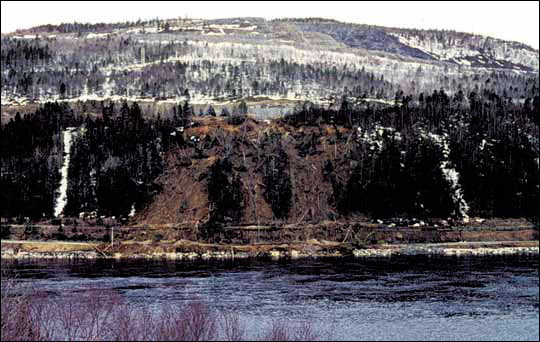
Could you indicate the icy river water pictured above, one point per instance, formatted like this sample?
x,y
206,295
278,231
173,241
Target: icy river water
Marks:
x,y
394,299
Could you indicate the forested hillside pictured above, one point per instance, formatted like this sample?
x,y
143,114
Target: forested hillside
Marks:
x,y
445,157
165,121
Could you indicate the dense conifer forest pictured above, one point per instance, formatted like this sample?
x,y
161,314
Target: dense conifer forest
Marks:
x,y
429,156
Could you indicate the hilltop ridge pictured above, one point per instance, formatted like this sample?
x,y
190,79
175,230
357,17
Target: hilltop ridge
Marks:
x,y
289,59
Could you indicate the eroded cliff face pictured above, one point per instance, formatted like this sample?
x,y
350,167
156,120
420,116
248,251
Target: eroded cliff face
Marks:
x,y
262,173
277,170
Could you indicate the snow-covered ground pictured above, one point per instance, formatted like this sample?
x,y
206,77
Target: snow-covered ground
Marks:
x,y
227,53
375,138
97,35
458,52
450,174
61,200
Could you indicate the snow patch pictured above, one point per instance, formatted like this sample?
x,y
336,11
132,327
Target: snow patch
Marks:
x,y
61,200
132,212
375,138
459,50
450,174
26,36
97,35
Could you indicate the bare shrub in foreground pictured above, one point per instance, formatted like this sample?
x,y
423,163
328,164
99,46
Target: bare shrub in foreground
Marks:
x,y
94,315
306,331
133,325
17,319
231,328
88,317
278,331
201,322
282,331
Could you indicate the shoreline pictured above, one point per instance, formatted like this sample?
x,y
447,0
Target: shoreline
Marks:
x,y
191,251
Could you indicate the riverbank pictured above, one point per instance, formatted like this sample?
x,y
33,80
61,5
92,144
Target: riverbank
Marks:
x,y
191,251
359,232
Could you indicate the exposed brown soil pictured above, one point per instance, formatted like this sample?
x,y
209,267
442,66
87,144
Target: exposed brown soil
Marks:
x,y
184,198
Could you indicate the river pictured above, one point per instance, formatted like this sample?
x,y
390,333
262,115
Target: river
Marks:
x,y
393,299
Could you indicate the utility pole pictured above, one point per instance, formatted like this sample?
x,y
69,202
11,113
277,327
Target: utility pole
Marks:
x,y
112,236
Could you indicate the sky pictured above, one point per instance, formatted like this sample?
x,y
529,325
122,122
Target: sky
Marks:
x,y
508,20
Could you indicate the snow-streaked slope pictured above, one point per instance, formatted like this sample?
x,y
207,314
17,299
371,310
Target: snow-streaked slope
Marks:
x,y
61,200
207,51
450,174
486,51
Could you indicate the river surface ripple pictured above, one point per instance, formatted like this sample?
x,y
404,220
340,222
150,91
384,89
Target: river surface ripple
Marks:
x,y
394,299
